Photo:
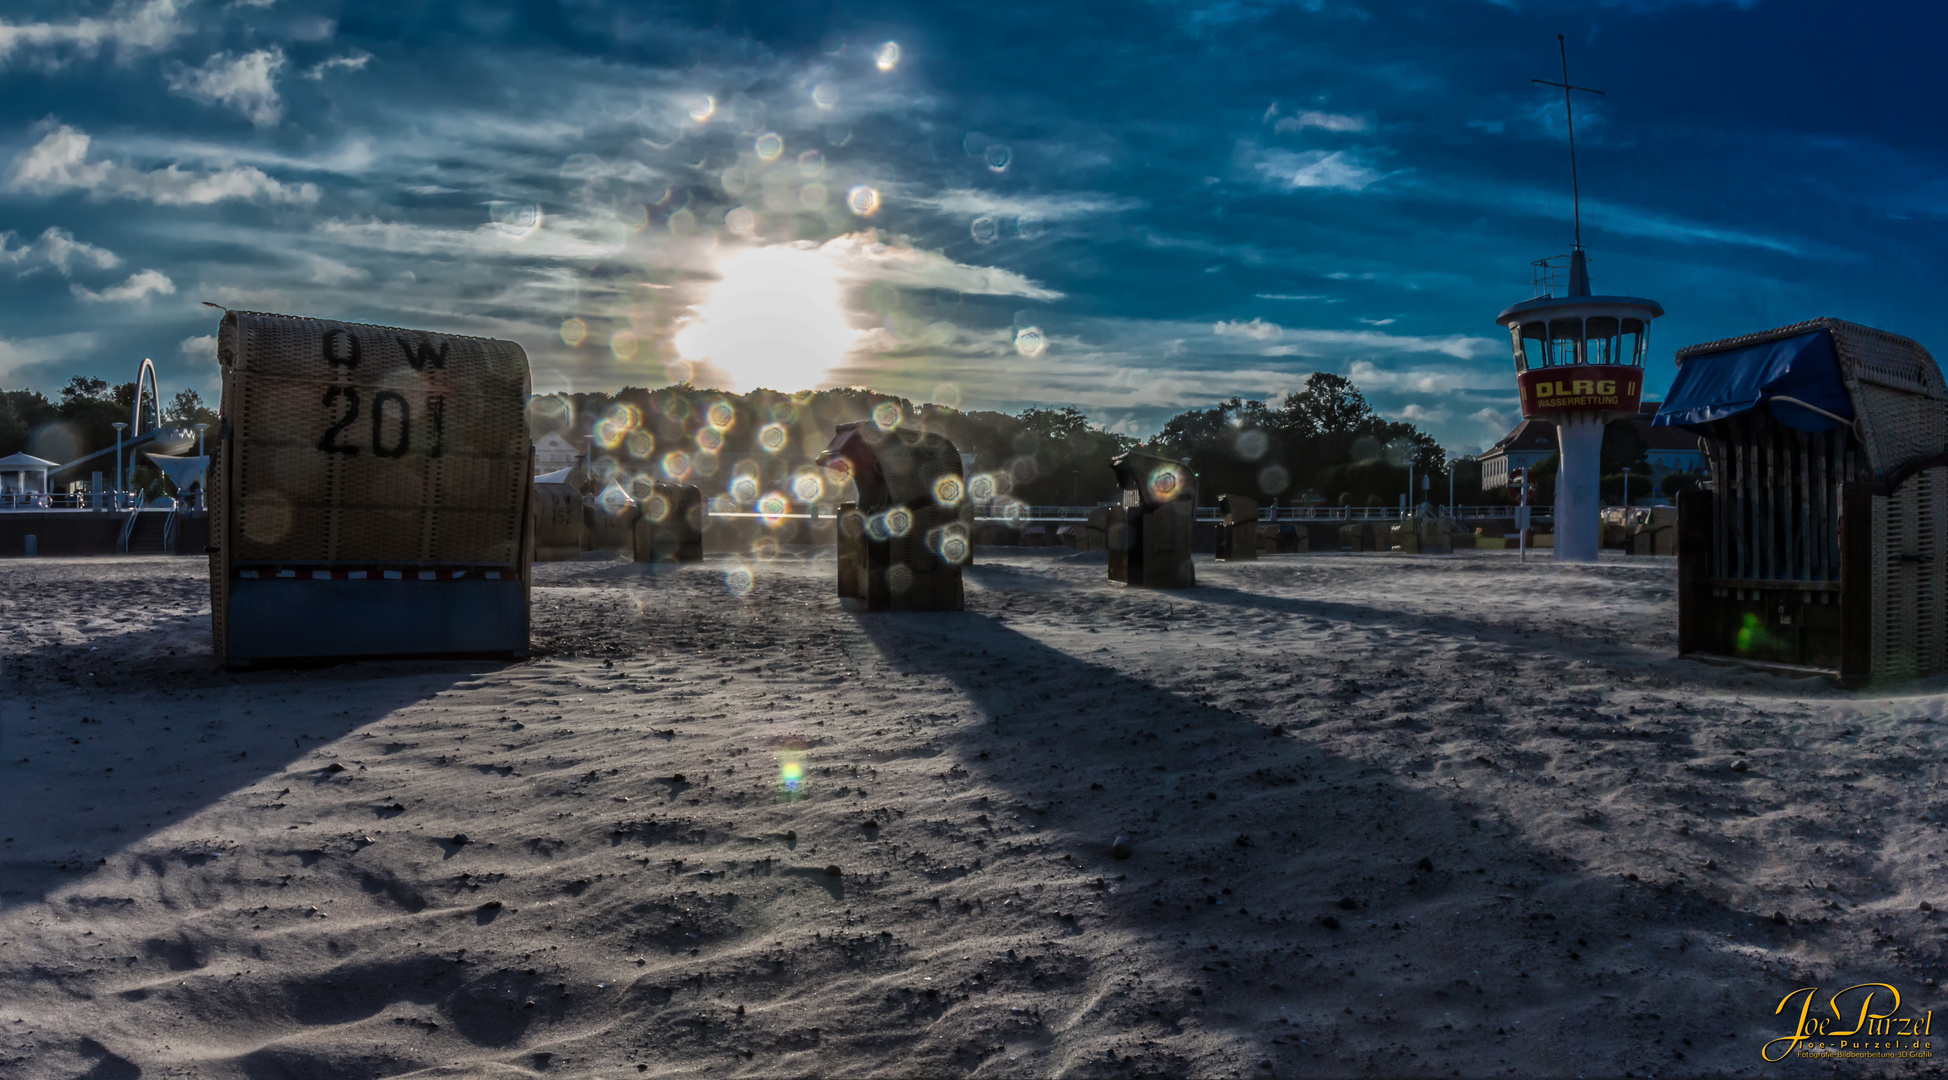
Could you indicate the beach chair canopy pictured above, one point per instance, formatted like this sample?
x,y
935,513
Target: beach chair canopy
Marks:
x,y
1797,378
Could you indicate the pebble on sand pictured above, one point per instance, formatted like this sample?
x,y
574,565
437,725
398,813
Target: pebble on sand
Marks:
x,y
1121,848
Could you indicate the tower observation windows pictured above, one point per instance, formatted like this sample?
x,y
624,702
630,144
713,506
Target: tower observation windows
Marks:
x,y
1599,339
1565,342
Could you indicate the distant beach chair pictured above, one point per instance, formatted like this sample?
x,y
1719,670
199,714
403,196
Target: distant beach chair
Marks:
x,y
1237,531
670,527
902,545
1150,532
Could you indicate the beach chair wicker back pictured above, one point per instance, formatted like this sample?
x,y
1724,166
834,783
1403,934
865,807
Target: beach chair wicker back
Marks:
x,y
351,455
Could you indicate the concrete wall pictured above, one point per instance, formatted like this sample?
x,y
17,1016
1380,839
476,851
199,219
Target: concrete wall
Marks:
x,y
65,533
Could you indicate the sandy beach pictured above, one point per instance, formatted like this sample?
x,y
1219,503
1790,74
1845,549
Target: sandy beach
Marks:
x,y
1383,815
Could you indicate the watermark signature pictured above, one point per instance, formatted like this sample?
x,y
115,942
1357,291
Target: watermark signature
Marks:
x,y
1865,1023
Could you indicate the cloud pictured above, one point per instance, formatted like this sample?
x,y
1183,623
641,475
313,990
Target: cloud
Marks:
x,y
1057,207
1256,329
1322,120
139,286
1493,418
49,350
352,61
1290,296
59,162
1337,169
865,257
1431,380
130,29
57,248
244,83
200,347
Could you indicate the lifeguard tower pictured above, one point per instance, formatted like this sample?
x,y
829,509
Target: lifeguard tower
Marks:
x,y
1579,364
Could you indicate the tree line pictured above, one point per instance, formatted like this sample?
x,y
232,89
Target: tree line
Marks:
x,y
1323,443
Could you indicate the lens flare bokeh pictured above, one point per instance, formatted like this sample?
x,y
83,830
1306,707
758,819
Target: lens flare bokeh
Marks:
x,y
1164,481
862,200
720,415
774,507
744,488
951,543
808,486
677,465
949,491
773,438
710,439
886,415
738,580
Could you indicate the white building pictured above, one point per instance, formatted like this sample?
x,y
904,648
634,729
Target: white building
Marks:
x,y
1668,450
553,452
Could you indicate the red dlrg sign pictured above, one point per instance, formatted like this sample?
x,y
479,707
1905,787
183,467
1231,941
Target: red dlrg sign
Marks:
x,y
1581,388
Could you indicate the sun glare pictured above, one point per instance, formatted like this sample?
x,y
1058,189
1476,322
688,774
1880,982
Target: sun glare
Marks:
x,y
774,321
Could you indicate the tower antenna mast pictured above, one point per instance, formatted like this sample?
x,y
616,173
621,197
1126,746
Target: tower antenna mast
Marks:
x,y
1569,114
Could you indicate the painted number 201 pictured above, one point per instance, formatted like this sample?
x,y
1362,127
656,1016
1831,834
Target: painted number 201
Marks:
x,y
392,422
392,414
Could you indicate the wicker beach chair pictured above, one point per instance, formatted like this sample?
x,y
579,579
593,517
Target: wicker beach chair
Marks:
x,y
369,493
1237,531
1150,533
1823,542
902,545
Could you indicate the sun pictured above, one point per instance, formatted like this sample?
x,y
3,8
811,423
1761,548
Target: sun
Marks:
x,y
774,320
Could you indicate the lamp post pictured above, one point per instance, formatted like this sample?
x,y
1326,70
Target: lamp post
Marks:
x,y
118,464
200,428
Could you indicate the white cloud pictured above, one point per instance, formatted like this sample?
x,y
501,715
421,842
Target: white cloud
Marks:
x,y
1317,169
130,28
1431,380
1061,207
139,286
200,347
1495,419
59,162
865,257
1420,414
245,83
1256,329
58,248
1325,121
52,349
352,61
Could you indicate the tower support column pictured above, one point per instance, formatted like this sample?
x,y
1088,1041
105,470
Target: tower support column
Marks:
x,y
1579,508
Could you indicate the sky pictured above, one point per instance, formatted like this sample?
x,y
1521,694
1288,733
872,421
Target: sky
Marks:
x,y
1134,208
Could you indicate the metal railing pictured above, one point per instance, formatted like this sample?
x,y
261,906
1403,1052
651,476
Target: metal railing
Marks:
x,y
1042,515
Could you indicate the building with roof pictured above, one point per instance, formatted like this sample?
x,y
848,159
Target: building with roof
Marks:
x,y
1531,442
553,452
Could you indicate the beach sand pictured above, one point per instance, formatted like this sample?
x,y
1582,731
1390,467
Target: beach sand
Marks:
x,y
1386,815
